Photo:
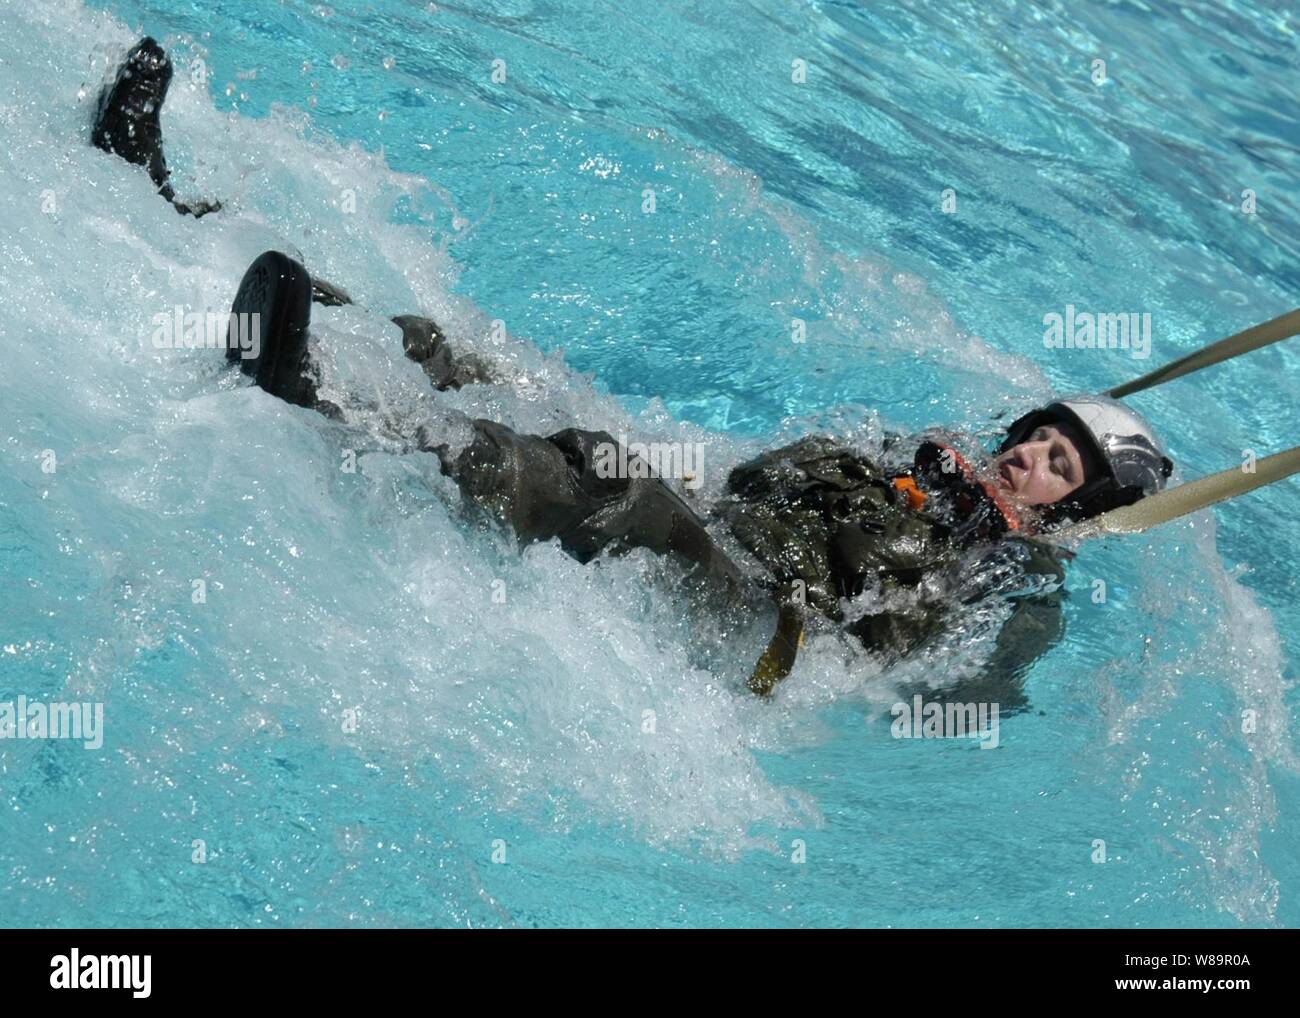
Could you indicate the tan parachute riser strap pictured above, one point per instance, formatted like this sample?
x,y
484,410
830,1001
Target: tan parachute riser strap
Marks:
x,y
1280,328
778,660
1184,499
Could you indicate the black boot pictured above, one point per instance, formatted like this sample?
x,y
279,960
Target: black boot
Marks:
x,y
268,329
127,121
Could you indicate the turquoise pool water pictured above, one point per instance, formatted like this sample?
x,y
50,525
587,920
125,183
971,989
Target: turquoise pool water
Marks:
x,y
499,771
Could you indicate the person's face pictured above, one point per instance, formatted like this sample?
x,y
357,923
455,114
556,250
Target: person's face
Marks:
x,y
1048,465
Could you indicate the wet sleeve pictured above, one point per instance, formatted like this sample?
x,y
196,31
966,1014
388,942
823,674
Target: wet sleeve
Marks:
x,y
896,551
1031,576
1035,626
1028,576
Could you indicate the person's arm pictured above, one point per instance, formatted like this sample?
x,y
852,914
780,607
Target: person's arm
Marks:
x,y
1026,574
1035,626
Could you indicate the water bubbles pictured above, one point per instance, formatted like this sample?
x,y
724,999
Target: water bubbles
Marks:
x,y
389,63
340,62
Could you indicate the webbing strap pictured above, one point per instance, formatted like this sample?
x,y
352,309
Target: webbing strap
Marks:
x,y
1184,499
1280,328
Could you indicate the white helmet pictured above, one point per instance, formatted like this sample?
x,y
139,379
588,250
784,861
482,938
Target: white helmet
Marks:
x,y
1134,465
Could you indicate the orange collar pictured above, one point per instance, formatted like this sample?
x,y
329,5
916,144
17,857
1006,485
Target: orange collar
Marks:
x,y
916,498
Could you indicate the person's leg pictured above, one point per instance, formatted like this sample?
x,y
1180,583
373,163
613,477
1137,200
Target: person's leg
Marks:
x,y
425,344
639,511
280,292
541,488
127,124
547,488
422,340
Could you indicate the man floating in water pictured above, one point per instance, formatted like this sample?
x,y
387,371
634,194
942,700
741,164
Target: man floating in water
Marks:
x,y
820,527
